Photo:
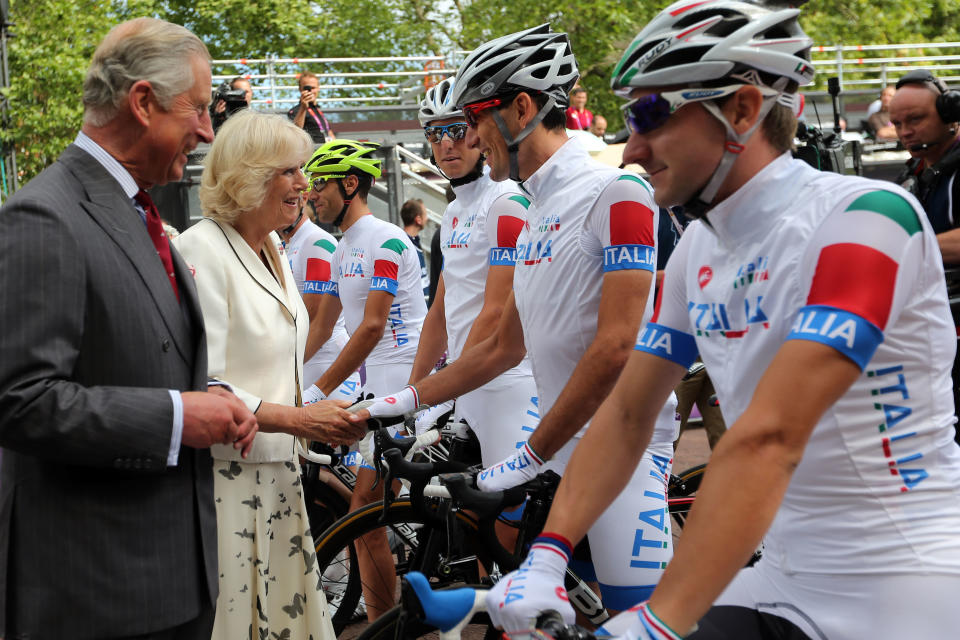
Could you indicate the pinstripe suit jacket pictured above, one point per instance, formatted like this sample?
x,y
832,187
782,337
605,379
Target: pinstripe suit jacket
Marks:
x,y
98,537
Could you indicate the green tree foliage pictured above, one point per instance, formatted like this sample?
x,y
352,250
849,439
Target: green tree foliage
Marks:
x,y
56,38
49,54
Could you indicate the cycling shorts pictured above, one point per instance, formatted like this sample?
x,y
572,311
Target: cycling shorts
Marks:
x,y
763,603
632,541
503,414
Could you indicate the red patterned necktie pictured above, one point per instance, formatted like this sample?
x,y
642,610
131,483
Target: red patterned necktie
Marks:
x,y
160,240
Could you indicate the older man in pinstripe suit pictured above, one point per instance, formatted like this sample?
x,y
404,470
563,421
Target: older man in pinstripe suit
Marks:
x,y
107,525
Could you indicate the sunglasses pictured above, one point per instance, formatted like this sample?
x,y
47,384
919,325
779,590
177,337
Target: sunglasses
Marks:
x,y
470,111
317,184
455,132
650,112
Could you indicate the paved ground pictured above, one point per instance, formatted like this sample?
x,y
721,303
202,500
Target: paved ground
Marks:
x,y
693,450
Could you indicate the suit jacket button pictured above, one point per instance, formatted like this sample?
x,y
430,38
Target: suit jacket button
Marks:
x,y
165,345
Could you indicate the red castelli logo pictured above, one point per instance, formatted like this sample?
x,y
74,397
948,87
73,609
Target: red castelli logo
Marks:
x,y
455,221
390,400
562,594
704,276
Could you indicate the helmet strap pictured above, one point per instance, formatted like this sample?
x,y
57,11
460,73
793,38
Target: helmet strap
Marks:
x,y
347,199
700,204
513,143
287,231
474,174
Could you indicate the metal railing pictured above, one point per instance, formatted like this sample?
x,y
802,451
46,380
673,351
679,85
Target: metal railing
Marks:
x,y
350,84
868,68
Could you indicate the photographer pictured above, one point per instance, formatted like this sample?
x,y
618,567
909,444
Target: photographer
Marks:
x,y
230,98
307,115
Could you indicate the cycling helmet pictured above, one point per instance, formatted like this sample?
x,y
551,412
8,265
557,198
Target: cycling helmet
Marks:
x,y
438,103
339,158
535,60
709,43
693,41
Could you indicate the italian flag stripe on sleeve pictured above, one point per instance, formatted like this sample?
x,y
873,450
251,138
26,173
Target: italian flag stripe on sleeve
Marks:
x,y
396,245
891,205
385,269
638,180
631,223
317,269
508,228
519,198
325,244
855,278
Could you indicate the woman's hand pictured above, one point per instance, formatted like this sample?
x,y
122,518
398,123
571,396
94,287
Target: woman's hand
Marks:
x,y
328,421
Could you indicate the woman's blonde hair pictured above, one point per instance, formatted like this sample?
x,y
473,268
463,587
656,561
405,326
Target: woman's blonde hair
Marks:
x,y
246,153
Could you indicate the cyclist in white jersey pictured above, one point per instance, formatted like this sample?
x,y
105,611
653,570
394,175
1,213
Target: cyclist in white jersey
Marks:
x,y
478,237
310,250
585,262
817,304
375,281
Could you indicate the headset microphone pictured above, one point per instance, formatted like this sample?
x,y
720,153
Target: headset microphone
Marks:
x,y
923,146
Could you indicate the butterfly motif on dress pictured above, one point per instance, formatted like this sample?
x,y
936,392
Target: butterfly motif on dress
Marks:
x,y
296,543
234,470
296,608
284,635
254,502
245,534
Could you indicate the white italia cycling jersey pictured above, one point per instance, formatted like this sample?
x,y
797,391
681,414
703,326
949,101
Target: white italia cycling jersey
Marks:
x,y
310,251
478,229
586,219
798,254
374,255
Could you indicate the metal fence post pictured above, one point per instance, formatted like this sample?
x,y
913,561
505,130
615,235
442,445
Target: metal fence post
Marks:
x,y
391,161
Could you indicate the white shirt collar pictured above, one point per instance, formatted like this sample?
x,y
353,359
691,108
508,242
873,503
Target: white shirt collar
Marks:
x,y
113,167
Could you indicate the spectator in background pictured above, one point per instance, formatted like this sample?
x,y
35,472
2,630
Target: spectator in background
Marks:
x,y
578,116
925,113
414,218
599,126
307,115
883,129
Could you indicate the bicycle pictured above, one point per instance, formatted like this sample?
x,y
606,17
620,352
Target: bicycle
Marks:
x,y
447,546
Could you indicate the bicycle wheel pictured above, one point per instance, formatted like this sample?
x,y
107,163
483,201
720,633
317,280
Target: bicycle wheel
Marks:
x,y
324,506
681,492
451,559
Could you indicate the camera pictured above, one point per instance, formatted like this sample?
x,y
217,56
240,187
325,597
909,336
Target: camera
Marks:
x,y
234,99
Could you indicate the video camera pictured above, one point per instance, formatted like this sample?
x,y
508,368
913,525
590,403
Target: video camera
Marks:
x,y
234,99
829,152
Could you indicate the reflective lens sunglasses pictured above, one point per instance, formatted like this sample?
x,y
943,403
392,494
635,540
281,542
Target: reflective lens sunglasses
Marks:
x,y
470,111
319,183
650,112
455,131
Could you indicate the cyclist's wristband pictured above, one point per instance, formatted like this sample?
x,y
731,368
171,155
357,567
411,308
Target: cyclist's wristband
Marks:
x,y
656,627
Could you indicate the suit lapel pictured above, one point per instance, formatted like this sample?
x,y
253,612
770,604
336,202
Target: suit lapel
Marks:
x,y
257,270
115,214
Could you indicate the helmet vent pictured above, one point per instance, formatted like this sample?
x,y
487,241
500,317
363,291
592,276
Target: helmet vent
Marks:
x,y
680,57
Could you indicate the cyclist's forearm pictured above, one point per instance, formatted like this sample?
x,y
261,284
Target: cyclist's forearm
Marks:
x,y
474,368
588,386
433,342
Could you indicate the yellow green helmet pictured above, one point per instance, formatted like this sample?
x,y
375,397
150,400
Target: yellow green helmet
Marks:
x,y
337,158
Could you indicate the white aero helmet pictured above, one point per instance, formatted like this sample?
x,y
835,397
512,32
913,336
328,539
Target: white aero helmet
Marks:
x,y
695,41
438,104
535,59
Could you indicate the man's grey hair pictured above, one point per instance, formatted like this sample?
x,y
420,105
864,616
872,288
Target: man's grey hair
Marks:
x,y
142,49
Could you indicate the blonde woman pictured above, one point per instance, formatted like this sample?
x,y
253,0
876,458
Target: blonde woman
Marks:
x,y
256,332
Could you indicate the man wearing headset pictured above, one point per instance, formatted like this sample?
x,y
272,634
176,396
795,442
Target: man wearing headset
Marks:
x,y
925,114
